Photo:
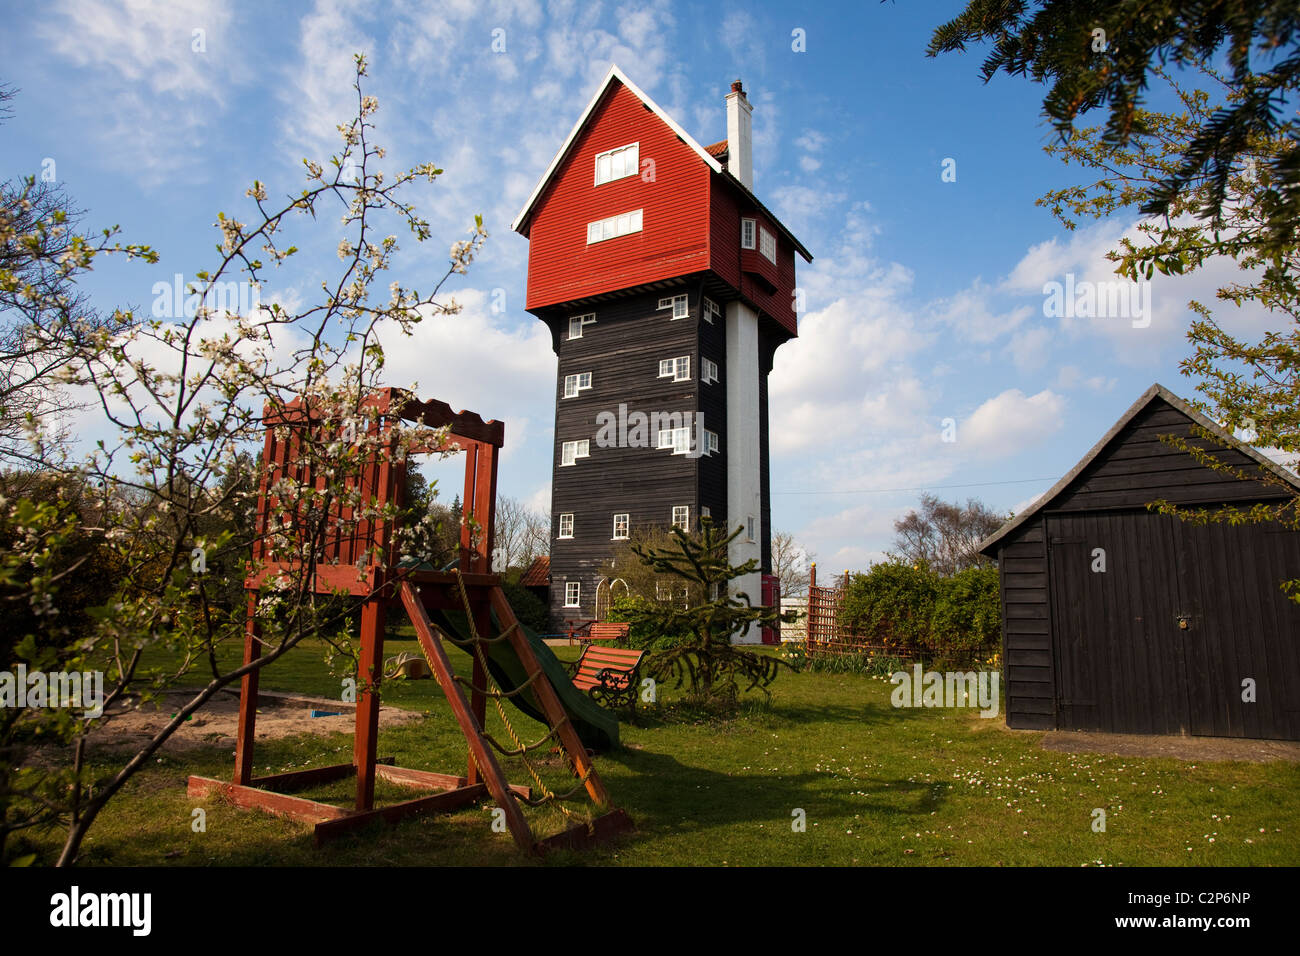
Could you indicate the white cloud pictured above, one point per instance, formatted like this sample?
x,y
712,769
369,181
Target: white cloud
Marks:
x,y
159,72
500,367
811,141
968,313
319,93
1071,377
1028,348
1010,423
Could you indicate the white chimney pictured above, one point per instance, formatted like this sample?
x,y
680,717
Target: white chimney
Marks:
x,y
740,150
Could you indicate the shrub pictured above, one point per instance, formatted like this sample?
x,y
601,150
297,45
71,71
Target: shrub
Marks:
x,y
644,616
909,608
967,618
891,605
531,611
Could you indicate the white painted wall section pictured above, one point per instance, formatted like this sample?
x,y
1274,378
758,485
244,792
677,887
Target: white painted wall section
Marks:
x,y
744,490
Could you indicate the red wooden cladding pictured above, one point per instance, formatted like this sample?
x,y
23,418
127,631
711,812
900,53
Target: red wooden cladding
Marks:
x,y
674,239
774,293
691,220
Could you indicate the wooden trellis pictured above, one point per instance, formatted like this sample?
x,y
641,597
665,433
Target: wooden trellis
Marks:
x,y
825,635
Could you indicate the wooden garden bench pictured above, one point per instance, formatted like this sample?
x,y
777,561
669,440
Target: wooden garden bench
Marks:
x,y
608,631
599,631
608,675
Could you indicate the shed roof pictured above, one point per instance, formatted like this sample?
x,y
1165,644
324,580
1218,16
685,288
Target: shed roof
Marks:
x,y
1156,391
538,574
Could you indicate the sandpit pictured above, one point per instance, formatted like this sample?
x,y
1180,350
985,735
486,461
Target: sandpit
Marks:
x,y
131,725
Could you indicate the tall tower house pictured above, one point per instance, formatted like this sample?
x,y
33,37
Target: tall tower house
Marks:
x,y
667,287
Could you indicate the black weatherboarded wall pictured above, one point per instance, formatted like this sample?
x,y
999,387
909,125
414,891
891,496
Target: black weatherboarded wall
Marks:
x,y
1117,618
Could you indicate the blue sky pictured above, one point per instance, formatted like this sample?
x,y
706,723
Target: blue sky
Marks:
x,y
925,301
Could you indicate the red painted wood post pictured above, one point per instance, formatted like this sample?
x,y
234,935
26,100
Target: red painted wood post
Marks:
x,y
485,503
808,611
248,697
467,507
369,672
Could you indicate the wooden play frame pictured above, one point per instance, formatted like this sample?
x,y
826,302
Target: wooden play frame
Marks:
x,y
342,567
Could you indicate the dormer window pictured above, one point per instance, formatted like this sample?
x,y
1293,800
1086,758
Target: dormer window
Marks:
x,y
617,163
621,225
747,232
767,245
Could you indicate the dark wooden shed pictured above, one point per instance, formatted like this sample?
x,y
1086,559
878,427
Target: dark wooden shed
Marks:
x,y
1117,618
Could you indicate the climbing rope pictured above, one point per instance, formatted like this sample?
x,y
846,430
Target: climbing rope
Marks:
x,y
548,796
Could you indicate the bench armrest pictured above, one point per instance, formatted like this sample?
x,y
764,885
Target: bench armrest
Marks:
x,y
615,680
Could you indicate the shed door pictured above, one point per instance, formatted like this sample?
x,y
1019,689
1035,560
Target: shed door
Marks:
x,y
1240,627
1162,640
1115,596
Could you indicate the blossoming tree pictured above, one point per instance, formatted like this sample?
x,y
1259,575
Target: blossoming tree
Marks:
x,y
167,498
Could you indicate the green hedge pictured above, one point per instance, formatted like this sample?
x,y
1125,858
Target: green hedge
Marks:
x,y
643,615
911,609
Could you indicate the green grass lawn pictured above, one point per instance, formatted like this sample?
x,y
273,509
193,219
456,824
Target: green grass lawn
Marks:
x,y
876,785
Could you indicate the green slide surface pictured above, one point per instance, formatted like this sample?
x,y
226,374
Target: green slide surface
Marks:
x,y
597,728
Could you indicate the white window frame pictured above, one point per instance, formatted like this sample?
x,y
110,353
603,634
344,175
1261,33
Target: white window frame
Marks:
x,y
678,368
563,522
573,594
684,520
626,523
767,245
748,233
708,370
571,451
680,304
712,439
710,310
620,151
580,382
575,331
678,439
612,227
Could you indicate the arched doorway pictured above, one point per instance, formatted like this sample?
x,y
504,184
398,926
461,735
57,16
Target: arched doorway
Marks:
x,y
602,599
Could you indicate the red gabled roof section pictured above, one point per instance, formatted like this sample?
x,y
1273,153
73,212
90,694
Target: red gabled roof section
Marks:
x,y
689,218
614,76
538,574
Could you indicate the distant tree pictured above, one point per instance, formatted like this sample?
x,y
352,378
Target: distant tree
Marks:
x,y
43,315
790,561
522,533
945,536
1103,53
642,579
